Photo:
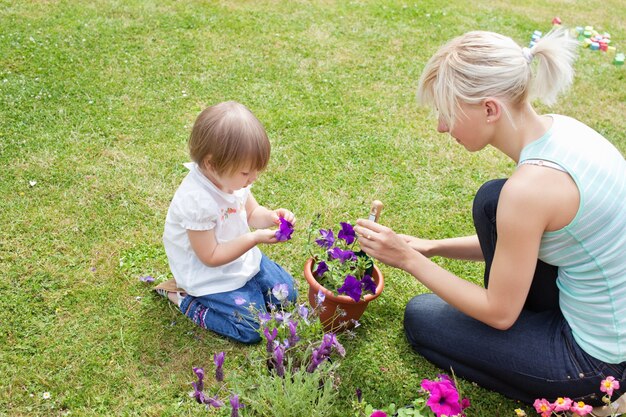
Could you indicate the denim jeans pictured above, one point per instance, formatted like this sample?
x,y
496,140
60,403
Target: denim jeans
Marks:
x,y
536,358
221,313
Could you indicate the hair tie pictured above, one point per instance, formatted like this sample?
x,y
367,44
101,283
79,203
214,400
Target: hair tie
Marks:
x,y
528,55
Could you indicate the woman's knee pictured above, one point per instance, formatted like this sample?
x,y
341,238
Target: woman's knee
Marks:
x,y
418,316
486,199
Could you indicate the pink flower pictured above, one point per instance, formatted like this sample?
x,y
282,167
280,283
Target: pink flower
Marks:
x,y
608,385
443,399
543,407
562,404
580,408
378,413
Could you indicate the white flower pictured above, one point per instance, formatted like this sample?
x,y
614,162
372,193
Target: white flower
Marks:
x,y
46,395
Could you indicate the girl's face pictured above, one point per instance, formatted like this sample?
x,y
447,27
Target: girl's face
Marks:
x,y
470,127
231,182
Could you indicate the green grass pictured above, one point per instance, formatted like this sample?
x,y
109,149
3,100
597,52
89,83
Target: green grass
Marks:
x,y
97,103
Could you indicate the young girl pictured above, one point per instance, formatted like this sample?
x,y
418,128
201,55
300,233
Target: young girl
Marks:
x,y
212,253
537,329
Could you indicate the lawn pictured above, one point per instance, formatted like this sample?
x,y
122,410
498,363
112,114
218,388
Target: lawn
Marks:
x,y
98,98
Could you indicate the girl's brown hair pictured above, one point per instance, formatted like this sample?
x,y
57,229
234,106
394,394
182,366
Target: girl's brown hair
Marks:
x,y
230,137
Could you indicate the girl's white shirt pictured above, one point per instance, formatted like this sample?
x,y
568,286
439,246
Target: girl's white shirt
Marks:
x,y
199,205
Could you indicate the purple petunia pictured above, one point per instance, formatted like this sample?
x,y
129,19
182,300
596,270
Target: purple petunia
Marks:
x,y
321,269
346,233
342,255
327,240
285,229
351,287
368,284
443,397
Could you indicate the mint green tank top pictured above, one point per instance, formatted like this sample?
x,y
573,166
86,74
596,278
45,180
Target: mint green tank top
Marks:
x,y
590,252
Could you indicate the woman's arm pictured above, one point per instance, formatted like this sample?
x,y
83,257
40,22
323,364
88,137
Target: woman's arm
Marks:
x,y
521,220
466,247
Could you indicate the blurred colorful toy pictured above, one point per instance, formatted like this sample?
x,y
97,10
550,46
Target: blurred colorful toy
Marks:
x,y
619,59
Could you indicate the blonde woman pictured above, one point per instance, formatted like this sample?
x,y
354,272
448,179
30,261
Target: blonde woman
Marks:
x,y
550,320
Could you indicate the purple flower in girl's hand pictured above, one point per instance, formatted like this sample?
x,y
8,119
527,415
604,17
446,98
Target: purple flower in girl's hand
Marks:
x,y
351,287
285,229
346,233
218,359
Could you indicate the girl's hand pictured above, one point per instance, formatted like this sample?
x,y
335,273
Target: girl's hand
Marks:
x,y
285,214
382,243
264,236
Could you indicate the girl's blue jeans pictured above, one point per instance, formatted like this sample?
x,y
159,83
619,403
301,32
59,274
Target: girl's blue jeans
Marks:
x,y
226,314
536,358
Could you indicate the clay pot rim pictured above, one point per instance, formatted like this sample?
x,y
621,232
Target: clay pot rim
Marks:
x,y
344,299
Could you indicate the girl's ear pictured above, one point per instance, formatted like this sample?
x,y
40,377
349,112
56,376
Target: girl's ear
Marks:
x,y
493,109
206,162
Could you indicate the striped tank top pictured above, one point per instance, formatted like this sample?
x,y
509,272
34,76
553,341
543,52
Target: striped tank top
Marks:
x,y
590,252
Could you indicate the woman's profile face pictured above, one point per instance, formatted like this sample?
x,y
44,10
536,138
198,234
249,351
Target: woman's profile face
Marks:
x,y
469,127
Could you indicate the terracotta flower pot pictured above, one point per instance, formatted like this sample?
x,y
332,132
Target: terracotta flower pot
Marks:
x,y
332,320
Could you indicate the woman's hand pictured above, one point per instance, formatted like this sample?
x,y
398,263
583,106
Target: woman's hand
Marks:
x,y
423,246
384,244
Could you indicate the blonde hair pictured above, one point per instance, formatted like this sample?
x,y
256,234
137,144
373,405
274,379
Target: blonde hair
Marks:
x,y
231,137
480,64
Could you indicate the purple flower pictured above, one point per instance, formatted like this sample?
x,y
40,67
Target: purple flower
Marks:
x,y
282,316
280,291
270,338
378,413
351,287
359,395
278,356
327,240
200,374
264,318
293,336
346,233
147,278
234,403
213,401
320,296
342,255
303,312
218,360
240,300
285,229
198,386
321,269
368,284
322,353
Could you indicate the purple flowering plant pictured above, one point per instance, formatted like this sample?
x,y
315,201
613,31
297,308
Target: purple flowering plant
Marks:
x,y
295,362
339,264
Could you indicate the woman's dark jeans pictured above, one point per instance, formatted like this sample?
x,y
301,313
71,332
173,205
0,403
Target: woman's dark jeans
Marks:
x,y
536,358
